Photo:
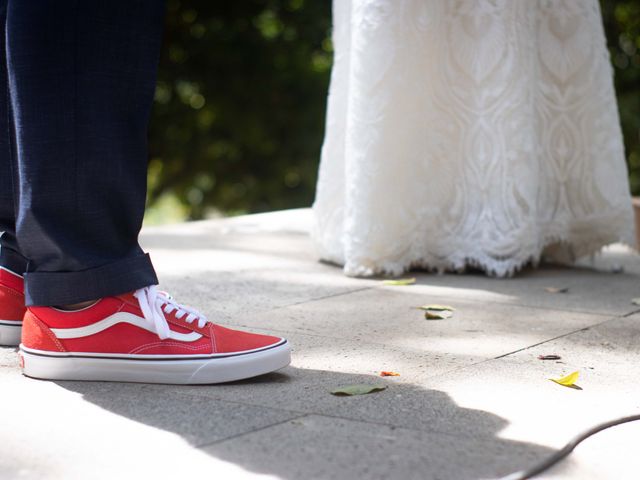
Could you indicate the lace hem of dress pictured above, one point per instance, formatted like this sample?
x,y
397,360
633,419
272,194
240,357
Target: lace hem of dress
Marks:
x,y
560,245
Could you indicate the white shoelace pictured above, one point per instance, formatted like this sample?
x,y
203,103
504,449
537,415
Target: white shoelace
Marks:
x,y
155,303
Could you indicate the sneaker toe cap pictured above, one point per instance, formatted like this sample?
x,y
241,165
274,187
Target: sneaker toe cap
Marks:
x,y
228,340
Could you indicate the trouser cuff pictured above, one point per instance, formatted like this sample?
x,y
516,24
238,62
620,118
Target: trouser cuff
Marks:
x,y
66,288
12,260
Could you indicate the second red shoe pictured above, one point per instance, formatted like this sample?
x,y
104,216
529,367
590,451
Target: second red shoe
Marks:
x,y
143,337
11,307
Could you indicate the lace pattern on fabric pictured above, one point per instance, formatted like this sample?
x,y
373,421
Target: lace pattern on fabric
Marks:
x,y
469,132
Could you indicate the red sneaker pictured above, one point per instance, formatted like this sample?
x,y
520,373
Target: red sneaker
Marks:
x,y
143,337
11,307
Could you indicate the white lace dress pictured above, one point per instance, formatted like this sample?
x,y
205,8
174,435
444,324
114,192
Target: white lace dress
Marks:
x,y
469,132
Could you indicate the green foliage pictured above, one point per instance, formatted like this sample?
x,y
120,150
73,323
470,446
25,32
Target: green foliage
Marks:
x,y
240,103
622,26
239,107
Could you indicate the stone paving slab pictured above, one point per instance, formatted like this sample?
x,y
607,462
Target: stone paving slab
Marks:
x,y
472,401
611,454
8,359
244,265
388,315
607,357
50,432
174,411
308,391
229,295
539,411
251,244
328,448
528,288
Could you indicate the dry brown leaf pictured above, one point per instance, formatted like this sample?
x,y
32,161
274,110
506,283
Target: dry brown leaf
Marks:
x,y
443,315
360,389
557,289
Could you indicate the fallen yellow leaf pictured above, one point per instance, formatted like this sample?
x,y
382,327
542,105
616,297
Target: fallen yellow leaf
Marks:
x,y
389,374
437,308
400,281
567,381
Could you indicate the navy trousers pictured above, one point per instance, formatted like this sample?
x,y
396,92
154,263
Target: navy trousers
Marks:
x,y
77,80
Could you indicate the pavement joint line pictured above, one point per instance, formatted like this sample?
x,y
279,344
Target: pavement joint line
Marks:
x,y
392,426
380,285
519,305
436,431
394,347
462,367
515,304
301,413
238,402
557,309
367,342
232,437
317,299
618,317
298,414
447,372
543,342
418,352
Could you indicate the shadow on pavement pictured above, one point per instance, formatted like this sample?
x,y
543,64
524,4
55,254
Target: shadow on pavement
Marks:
x,y
287,424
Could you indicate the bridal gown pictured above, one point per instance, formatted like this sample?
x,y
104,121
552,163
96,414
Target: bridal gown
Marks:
x,y
462,133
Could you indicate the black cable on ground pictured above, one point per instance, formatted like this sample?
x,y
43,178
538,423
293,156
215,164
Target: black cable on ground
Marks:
x,y
567,449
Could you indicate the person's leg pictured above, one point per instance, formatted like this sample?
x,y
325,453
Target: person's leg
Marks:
x,y
81,82
9,255
81,76
12,263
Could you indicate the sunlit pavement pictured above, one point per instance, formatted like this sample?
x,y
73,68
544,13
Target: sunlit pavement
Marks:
x,y
472,401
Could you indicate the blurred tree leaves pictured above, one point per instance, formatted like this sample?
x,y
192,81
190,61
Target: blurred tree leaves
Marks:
x,y
240,103
622,26
239,107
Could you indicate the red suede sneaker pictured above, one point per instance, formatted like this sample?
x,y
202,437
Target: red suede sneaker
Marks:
x,y
11,307
143,337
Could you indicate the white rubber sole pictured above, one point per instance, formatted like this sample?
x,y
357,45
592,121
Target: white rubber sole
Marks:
x,y
141,368
10,332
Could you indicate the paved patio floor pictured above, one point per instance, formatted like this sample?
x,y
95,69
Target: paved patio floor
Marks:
x,y
472,401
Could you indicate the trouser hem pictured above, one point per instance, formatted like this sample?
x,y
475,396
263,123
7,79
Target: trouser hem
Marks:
x,y
66,288
12,260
